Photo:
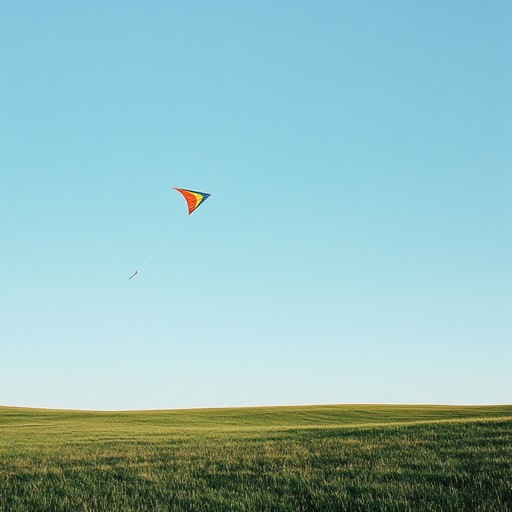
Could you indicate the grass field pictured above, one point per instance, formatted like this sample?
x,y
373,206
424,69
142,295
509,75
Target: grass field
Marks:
x,y
325,458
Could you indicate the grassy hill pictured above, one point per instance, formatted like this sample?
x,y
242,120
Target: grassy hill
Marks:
x,y
336,457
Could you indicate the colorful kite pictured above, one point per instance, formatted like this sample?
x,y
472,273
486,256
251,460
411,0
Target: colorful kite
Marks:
x,y
194,199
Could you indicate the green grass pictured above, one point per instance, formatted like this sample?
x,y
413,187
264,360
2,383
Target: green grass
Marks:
x,y
325,458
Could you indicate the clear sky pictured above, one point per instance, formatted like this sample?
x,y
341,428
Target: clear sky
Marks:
x,y
357,244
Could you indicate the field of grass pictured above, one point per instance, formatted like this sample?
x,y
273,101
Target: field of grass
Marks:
x,y
311,458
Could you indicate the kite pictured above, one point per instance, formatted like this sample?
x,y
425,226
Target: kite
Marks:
x,y
193,198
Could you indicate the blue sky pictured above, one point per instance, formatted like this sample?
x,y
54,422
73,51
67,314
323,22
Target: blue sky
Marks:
x,y
356,247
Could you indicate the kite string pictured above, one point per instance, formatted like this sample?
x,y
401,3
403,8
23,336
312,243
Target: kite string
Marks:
x,y
178,224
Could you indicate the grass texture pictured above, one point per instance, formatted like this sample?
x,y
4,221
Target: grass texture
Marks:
x,y
309,458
